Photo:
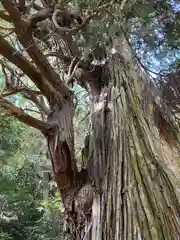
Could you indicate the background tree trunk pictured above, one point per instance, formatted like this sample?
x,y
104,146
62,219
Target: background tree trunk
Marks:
x,y
61,146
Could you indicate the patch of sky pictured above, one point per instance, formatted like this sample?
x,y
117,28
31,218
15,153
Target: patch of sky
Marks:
x,y
175,5
159,35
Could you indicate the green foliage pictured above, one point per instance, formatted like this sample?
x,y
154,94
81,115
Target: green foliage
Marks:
x,y
153,27
175,65
21,196
5,236
22,212
19,143
11,132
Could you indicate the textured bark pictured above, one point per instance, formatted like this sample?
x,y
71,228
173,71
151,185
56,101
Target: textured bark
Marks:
x,y
61,145
136,183
74,186
130,188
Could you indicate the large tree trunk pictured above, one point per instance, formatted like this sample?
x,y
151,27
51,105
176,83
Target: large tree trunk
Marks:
x,y
136,186
129,189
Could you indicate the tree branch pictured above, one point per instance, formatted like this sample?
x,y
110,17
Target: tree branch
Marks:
x,y
18,113
40,16
65,59
71,72
4,16
37,7
22,63
29,6
25,38
71,66
30,95
37,101
6,28
7,83
20,90
12,87
22,5
68,30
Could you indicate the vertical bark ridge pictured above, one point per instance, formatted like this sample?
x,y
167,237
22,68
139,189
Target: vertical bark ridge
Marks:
x,y
139,197
61,146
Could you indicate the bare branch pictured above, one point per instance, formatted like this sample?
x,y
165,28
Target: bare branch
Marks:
x,y
18,113
4,16
22,5
8,34
22,63
37,7
7,28
73,72
7,84
31,110
71,66
65,59
47,3
68,30
38,100
123,3
29,6
12,88
44,3
40,16
25,38
20,90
